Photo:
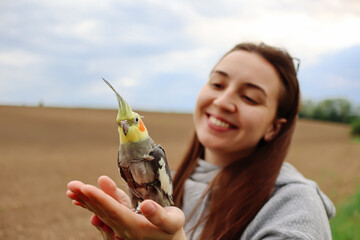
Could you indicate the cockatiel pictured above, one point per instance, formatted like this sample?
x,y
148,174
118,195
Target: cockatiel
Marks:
x,y
142,162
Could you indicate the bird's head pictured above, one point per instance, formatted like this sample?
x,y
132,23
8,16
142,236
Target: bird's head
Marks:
x,y
130,126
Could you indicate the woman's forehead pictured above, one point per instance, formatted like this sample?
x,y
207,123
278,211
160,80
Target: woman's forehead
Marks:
x,y
248,67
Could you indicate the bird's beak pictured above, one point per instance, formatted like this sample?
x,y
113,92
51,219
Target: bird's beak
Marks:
x,y
124,124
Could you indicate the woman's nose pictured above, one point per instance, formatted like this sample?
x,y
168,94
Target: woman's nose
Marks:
x,y
225,101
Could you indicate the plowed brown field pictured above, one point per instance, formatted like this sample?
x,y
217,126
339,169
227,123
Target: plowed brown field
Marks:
x,y
41,149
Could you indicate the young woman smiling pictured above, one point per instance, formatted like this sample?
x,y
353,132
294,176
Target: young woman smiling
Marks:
x,y
233,182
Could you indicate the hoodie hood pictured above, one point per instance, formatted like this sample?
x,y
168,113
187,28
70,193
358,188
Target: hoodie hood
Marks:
x,y
289,175
295,200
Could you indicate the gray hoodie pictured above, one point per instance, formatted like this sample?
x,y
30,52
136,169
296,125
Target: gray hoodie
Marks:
x,y
296,210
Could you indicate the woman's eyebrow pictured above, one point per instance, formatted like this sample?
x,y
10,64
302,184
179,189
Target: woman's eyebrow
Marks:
x,y
224,74
254,86
249,85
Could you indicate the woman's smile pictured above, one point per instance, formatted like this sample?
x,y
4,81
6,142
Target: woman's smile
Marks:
x,y
219,124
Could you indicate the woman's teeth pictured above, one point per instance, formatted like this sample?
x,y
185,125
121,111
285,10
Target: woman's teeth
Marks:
x,y
218,122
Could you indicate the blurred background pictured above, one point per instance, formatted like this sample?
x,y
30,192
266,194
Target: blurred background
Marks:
x,y
57,115
54,53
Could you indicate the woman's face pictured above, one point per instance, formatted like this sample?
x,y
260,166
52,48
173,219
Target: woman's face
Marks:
x,y
237,107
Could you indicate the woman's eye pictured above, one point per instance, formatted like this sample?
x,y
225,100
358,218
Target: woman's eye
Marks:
x,y
249,99
217,85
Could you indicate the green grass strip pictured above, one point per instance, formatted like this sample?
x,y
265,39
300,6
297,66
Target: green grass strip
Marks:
x,y
346,224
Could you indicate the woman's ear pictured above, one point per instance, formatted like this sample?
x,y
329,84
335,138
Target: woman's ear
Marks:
x,y
274,129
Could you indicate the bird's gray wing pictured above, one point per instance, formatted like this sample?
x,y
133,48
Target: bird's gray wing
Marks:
x,y
162,171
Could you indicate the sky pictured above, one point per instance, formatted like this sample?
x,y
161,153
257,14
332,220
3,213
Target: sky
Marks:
x,y
158,54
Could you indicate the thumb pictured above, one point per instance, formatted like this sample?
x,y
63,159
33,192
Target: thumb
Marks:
x,y
168,219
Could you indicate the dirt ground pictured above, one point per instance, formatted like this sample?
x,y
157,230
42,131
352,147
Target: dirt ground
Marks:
x,y
41,149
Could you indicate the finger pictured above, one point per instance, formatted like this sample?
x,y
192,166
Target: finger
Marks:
x,y
106,231
75,185
109,187
75,197
169,219
120,218
95,221
74,190
76,203
109,208
93,206
79,199
71,195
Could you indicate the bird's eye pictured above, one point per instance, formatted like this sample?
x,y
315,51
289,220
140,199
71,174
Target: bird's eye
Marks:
x,y
136,119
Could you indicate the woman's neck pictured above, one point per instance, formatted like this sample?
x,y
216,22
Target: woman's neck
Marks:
x,y
222,159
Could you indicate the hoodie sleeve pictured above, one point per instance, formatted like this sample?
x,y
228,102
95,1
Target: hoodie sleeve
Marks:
x,y
297,210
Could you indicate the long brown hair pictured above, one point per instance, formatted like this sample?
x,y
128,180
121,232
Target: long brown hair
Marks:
x,y
240,189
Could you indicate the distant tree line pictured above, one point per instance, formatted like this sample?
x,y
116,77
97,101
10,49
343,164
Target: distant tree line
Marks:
x,y
334,110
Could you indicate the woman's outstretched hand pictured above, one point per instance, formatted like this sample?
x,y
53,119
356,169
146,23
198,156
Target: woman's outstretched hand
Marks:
x,y
115,218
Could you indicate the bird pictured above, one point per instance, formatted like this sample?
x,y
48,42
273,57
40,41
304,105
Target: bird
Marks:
x,y
142,163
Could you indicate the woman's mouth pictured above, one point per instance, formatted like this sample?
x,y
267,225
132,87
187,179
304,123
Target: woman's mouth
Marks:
x,y
218,123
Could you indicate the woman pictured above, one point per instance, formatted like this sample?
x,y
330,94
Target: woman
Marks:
x,y
233,182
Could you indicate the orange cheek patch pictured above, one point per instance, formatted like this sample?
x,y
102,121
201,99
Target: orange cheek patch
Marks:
x,y
141,126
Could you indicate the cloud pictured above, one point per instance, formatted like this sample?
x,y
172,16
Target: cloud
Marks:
x,y
19,58
158,53
305,35
336,74
83,30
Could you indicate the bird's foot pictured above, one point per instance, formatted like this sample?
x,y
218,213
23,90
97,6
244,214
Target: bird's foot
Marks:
x,y
137,210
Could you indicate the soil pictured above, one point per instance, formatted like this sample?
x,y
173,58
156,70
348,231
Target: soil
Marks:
x,y
42,149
